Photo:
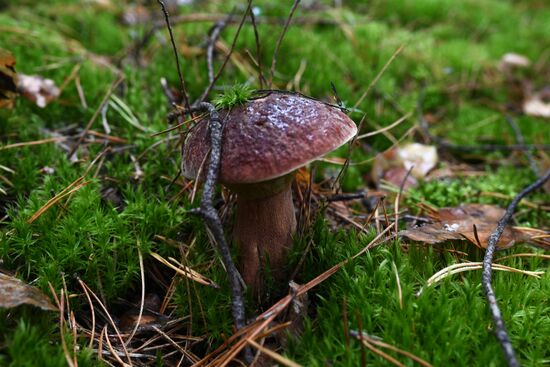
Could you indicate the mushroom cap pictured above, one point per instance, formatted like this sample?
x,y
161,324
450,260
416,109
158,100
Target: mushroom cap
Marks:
x,y
269,137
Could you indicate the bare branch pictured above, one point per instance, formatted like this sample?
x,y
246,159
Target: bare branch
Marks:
x,y
500,328
184,94
279,41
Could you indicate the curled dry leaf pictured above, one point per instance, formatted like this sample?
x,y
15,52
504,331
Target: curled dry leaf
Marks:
x,y
393,165
14,292
511,60
37,89
8,89
538,104
458,224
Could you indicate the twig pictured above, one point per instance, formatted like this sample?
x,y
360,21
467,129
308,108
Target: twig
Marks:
x,y
274,355
520,140
378,76
184,94
500,327
212,39
424,126
273,20
261,77
223,355
335,186
35,142
367,339
142,302
210,215
279,41
398,281
398,198
347,197
202,98
96,114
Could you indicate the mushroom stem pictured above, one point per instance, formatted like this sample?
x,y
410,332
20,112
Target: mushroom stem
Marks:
x,y
263,230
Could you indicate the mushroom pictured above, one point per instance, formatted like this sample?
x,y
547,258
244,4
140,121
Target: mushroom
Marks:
x,y
264,142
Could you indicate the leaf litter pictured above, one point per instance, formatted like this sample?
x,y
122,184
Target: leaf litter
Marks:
x,y
15,292
473,223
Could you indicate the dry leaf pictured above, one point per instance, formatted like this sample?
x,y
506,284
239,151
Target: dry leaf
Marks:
x,y
538,104
458,224
393,165
37,89
512,60
136,14
14,292
8,89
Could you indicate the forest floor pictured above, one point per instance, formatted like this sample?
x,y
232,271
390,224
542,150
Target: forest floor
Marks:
x,y
90,197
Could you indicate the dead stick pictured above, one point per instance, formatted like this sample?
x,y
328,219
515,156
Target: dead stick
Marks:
x,y
261,78
210,215
500,328
521,140
96,113
424,126
280,41
202,98
185,97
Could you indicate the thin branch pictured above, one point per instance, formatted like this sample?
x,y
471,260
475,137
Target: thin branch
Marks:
x,y
500,327
279,41
521,140
212,39
208,89
424,126
184,94
261,77
378,76
210,215
106,98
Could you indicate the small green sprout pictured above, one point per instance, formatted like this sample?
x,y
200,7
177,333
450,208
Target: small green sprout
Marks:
x,y
237,95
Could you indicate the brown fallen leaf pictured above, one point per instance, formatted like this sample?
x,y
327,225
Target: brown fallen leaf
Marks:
x,y
538,104
511,60
37,89
475,223
8,88
393,165
14,292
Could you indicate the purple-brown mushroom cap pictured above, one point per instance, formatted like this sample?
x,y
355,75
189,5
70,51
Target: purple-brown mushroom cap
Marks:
x,y
269,137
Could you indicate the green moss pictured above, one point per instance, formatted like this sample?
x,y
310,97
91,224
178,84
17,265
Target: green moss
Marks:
x,y
234,96
451,47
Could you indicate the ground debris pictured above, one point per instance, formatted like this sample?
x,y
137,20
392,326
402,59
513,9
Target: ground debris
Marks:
x,y
474,223
14,292
393,165
37,89
8,79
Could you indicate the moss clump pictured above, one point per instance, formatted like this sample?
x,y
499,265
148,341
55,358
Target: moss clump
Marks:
x,y
237,95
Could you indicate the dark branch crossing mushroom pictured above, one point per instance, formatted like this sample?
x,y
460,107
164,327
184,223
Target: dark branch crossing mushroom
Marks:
x,y
264,141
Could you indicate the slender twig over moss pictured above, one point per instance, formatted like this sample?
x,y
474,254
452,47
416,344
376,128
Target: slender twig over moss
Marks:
x,y
279,41
184,94
500,327
212,39
210,215
219,73
464,148
521,140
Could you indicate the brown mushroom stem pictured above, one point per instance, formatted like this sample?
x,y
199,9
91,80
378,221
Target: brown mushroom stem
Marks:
x,y
263,230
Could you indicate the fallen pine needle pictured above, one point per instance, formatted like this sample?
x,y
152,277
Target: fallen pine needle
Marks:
x,y
276,356
462,267
185,271
34,142
542,256
370,340
75,186
386,128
